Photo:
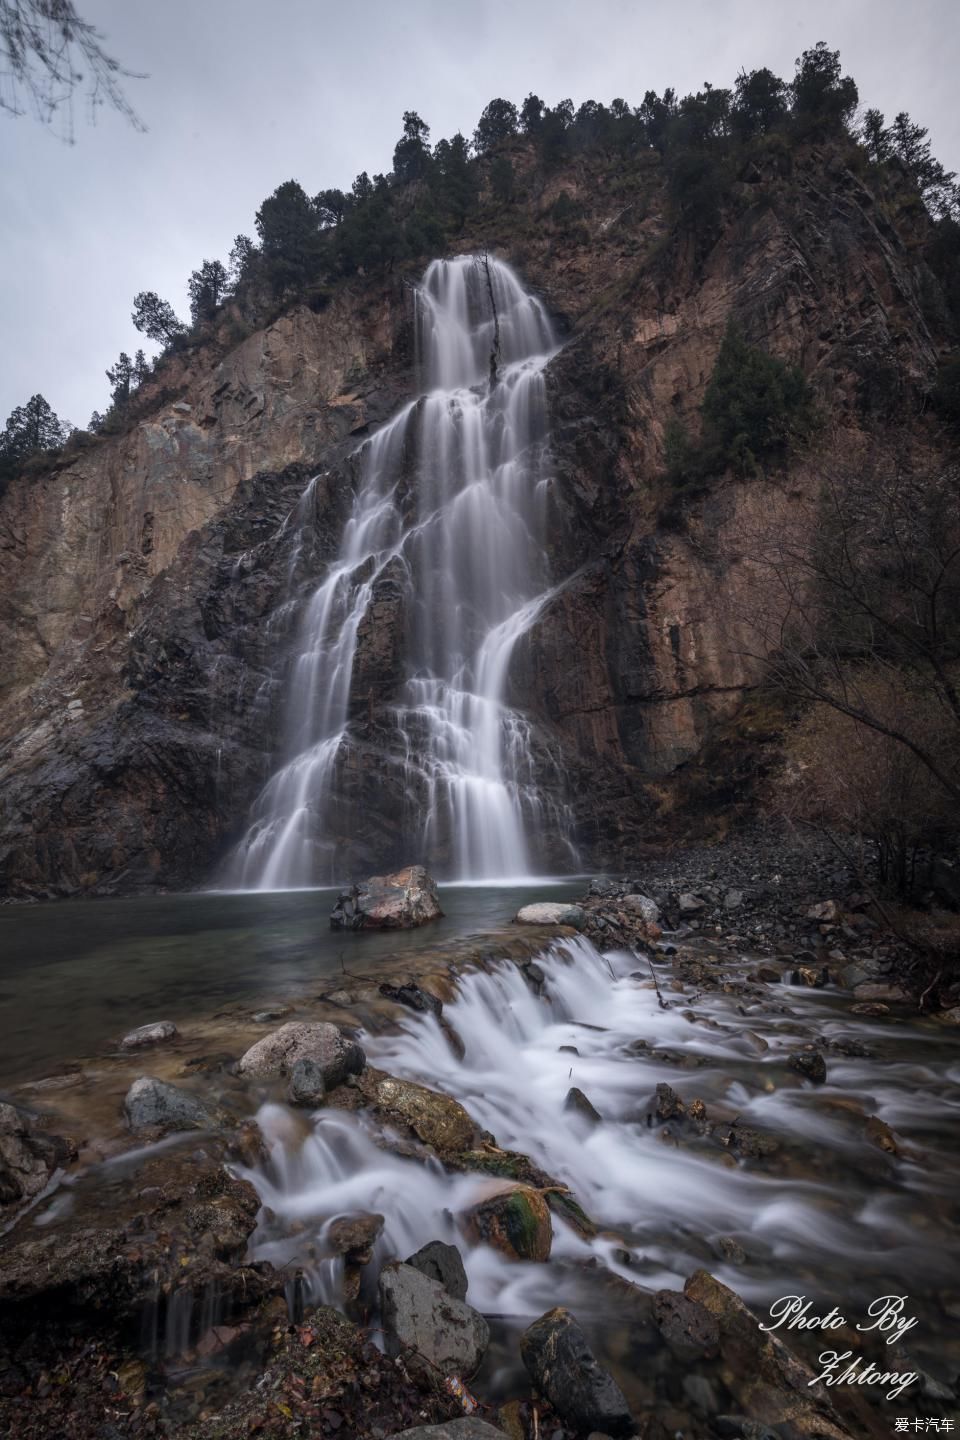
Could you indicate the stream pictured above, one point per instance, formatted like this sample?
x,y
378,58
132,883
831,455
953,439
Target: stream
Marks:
x,y
829,1215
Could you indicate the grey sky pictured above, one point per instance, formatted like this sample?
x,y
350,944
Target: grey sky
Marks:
x,y
246,94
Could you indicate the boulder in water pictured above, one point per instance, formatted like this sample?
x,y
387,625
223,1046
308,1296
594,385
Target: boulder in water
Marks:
x,y
276,1055
516,1221
444,1264
433,1118
810,1064
153,1034
152,1104
642,905
564,1369
427,1325
401,901
549,913
690,1331
579,1104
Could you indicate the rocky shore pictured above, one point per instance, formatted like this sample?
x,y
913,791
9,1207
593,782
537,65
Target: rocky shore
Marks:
x,y
133,1301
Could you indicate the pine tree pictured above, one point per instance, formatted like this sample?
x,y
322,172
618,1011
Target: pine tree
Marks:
x,y
155,318
121,378
497,123
411,157
30,430
206,287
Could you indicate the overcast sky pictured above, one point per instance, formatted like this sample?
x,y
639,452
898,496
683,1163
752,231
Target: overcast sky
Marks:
x,y
246,94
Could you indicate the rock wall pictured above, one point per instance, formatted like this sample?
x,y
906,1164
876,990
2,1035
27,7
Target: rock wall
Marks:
x,y
147,597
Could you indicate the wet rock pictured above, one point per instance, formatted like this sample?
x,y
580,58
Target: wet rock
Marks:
x,y
731,1250
152,1104
275,1056
426,1324
950,1017
307,1085
414,997
516,1221
177,1220
154,1034
431,1117
444,1264
28,1156
767,975
468,1428
689,1330
806,975
355,1235
400,901
578,1104
769,1385
267,1017
886,994
750,1144
563,1368
549,913
880,1134
810,1064
669,1106
875,1009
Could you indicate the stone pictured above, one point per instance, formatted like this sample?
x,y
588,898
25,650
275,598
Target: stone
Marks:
x,y
768,1384
152,1104
515,1220
827,912
647,909
577,1103
275,1056
28,1156
414,997
444,1264
689,1330
307,1085
669,1106
950,1017
886,994
153,1034
733,900
468,1428
878,1132
400,901
564,1369
427,1325
810,1064
690,904
550,913
432,1118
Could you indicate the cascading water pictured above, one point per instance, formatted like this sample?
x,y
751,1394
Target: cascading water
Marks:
x,y
767,1229
467,557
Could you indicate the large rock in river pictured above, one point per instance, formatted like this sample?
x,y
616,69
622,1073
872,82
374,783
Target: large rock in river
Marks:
x,y
27,1156
431,1117
425,1323
564,1369
275,1056
400,901
547,912
515,1220
152,1104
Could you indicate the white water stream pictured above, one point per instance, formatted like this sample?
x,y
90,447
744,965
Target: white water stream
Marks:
x,y
468,558
830,1213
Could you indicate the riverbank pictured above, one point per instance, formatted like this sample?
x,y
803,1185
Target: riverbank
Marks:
x,y
667,1104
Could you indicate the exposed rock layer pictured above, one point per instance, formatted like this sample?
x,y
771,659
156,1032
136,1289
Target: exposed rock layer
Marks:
x,y
144,585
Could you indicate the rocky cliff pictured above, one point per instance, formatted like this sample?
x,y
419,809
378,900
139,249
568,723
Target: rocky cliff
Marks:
x,y
147,591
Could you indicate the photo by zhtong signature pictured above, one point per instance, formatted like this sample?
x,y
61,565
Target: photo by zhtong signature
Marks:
x,y
885,1316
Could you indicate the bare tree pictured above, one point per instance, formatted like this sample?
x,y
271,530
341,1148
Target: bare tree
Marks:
x,y
860,580
46,51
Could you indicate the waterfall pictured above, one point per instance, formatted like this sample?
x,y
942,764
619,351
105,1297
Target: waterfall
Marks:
x,y
449,511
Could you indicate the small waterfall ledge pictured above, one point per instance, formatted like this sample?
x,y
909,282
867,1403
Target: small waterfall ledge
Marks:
x,y
449,511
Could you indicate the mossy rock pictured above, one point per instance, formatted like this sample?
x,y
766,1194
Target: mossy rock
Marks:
x,y
516,1221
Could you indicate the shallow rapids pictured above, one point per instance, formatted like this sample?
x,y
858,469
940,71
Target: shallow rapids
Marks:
x,y
829,1214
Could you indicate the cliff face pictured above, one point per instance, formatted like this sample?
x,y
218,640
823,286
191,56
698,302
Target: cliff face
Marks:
x,y
147,600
